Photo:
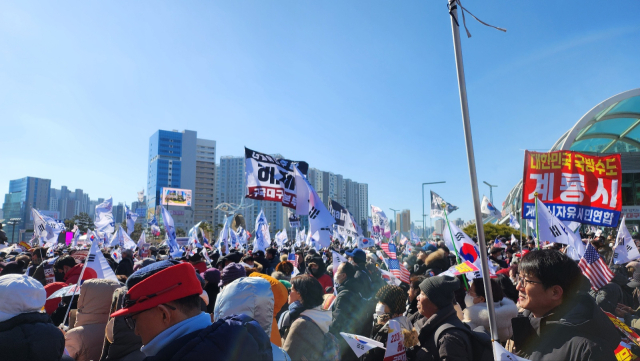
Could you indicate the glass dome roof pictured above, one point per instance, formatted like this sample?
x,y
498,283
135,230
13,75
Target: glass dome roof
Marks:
x,y
612,126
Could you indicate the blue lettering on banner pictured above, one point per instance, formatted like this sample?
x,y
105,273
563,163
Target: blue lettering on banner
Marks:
x,y
575,212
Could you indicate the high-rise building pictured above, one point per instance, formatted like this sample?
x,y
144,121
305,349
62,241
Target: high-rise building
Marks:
x,y
205,195
173,163
118,213
68,203
25,194
363,205
403,221
439,227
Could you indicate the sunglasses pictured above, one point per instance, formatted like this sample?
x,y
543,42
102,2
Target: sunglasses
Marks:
x,y
131,323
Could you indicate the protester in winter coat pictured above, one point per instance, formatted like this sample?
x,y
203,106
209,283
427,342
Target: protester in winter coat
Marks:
x,y
347,312
171,325
280,295
52,304
476,314
391,304
71,271
125,267
561,321
437,261
497,257
358,258
251,296
304,324
26,333
120,342
317,268
412,313
84,341
286,268
435,304
212,279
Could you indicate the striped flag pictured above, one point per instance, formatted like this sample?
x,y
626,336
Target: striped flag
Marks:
x,y
389,249
498,243
398,270
594,268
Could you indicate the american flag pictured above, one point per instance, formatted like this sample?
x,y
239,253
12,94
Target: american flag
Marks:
x,y
389,249
498,243
594,268
398,270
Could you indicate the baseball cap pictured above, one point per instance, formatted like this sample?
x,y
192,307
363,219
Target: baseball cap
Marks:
x,y
170,284
358,255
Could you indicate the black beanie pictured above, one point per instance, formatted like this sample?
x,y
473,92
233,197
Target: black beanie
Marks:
x,y
439,289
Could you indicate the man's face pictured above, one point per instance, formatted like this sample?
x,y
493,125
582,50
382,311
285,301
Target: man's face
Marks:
x,y
35,259
534,297
425,306
313,267
149,323
269,256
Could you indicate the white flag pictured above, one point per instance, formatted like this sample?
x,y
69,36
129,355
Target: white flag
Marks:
x,y
104,218
46,233
513,222
395,342
551,228
263,237
308,203
122,239
97,262
501,354
625,249
390,278
467,249
488,208
131,219
360,344
281,238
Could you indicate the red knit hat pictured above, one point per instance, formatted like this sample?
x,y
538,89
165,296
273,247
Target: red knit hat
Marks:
x,y
168,285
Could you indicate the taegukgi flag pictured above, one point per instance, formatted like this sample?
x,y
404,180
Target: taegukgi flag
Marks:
x,y
308,203
625,249
487,208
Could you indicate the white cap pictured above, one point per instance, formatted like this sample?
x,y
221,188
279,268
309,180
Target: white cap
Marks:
x,y
20,294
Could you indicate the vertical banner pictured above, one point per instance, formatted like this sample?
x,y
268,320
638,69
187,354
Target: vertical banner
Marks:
x,y
271,179
574,186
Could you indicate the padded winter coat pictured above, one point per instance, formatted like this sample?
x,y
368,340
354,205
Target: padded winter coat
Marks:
x,y
477,315
84,341
280,296
304,339
236,337
30,336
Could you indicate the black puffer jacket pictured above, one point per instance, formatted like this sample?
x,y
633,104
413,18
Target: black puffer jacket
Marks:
x,y
30,336
576,330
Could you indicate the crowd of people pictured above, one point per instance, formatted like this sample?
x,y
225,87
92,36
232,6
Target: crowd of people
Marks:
x,y
266,305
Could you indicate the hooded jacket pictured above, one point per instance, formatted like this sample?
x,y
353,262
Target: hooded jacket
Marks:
x,y
251,296
576,330
84,341
280,296
477,315
321,274
30,336
121,343
303,340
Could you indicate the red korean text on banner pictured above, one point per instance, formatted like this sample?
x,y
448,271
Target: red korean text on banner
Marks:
x,y
574,186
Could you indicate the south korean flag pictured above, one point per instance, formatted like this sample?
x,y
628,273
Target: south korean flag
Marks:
x,y
625,249
551,228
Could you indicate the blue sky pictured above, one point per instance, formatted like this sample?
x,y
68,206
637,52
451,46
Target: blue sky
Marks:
x,y
366,89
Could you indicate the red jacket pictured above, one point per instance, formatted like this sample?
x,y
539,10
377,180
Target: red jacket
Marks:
x,y
325,281
73,275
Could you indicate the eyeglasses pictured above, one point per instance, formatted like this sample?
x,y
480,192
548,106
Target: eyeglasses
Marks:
x,y
525,281
131,323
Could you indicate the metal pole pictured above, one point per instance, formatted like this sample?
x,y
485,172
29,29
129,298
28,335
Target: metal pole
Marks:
x,y
423,215
453,9
13,230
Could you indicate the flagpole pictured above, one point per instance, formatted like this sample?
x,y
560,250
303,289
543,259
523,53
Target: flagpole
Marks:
x,y
453,241
520,222
537,237
466,123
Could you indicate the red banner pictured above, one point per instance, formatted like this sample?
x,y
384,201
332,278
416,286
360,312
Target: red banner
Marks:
x,y
574,186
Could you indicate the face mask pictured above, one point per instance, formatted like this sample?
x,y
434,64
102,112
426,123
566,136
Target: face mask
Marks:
x,y
468,300
335,279
499,257
380,309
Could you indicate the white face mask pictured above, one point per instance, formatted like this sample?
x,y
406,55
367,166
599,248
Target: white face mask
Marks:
x,y
499,257
380,309
468,300
335,279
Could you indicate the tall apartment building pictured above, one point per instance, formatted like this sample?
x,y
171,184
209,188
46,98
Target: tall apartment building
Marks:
x,y
173,162
403,221
25,194
69,203
363,205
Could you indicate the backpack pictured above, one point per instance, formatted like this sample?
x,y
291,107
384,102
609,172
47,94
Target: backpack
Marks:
x,y
330,345
481,345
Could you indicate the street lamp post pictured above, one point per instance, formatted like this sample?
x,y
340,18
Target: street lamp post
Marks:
x,y
423,214
13,222
490,191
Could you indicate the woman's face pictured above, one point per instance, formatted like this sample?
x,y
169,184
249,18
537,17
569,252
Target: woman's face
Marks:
x,y
472,293
413,293
294,296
